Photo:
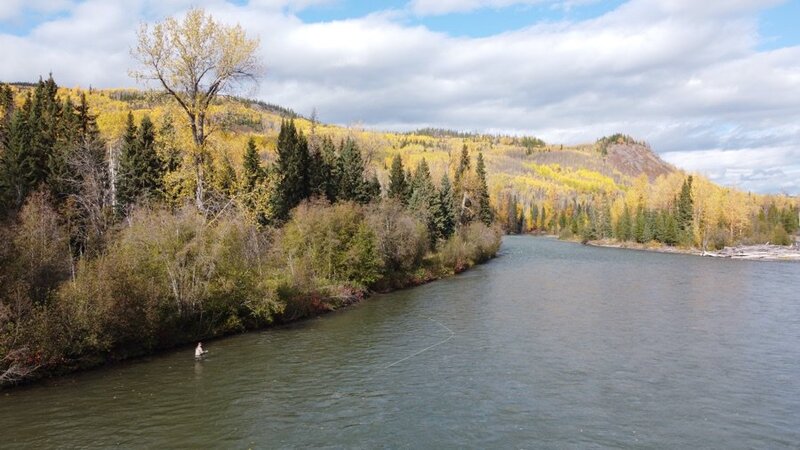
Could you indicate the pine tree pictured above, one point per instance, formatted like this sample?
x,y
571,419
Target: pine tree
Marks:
x,y
648,233
16,171
669,231
534,213
511,215
291,168
424,201
639,225
318,173
252,172
485,213
352,185
140,174
252,187
31,139
685,206
125,179
574,222
398,188
463,164
167,145
623,231
44,123
445,214
605,220
374,188
333,168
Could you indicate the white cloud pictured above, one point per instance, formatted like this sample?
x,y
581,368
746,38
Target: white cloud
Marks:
x,y
757,169
683,77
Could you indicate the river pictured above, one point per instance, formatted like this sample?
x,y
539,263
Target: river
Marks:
x,y
551,345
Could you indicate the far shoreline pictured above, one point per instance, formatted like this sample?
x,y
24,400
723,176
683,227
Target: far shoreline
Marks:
x,y
756,252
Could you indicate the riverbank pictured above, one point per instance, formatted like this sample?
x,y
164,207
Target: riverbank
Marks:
x,y
300,301
762,252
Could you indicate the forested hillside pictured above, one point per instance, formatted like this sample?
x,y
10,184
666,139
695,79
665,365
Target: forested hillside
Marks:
x,y
613,188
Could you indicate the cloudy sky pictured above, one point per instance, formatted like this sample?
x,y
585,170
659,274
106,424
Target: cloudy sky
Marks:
x,y
713,85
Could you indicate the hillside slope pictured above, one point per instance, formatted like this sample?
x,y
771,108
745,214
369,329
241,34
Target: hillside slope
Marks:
x,y
613,174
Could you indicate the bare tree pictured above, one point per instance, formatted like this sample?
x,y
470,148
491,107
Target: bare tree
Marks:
x,y
194,60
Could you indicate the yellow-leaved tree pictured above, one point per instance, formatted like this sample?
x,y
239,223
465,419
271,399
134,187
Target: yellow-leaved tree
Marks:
x,y
194,60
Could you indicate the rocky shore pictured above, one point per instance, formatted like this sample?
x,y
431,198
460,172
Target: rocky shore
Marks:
x,y
761,252
764,252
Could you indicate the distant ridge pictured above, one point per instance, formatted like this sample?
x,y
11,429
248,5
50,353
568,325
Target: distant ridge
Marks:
x,y
635,159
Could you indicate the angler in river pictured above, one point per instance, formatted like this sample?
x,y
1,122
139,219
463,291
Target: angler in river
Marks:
x,y
199,352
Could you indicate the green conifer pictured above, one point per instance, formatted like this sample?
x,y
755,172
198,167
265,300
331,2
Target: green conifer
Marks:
x,y
398,188
485,213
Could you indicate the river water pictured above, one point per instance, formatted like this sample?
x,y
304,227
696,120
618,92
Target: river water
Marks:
x,y
551,345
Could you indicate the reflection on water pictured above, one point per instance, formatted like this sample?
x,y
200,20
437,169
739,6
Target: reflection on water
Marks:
x,y
551,345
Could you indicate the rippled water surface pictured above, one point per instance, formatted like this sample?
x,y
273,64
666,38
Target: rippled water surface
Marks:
x,y
551,345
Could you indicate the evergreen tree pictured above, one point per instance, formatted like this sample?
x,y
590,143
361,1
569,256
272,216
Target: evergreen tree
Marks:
x,y
44,122
398,188
333,168
291,168
639,225
670,233
167,145
511,214
252,172
150,170
252,185
16,172
574,222
485,213
125,179
318,172
623,231
534,216
424,201
605,221
352,185
70,135
140,172
34,140
685,206
445,214
521,220
374,188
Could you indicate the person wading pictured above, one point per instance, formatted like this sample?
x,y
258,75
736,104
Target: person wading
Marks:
x,y
198,351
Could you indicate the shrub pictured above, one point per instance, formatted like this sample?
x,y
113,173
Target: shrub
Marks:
x,y
402,239
473,243
168,279
332,243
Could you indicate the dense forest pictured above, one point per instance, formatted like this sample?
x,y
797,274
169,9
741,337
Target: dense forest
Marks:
x,y
108,254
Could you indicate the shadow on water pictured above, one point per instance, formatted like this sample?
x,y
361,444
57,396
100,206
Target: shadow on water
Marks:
x,y
552,344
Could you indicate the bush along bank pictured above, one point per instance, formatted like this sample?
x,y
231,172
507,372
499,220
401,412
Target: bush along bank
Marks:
x,y
170,279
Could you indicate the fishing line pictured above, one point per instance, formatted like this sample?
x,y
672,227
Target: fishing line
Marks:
x,y
452,334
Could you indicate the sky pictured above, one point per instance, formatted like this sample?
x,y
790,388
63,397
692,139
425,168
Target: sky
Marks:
x,y
712,85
